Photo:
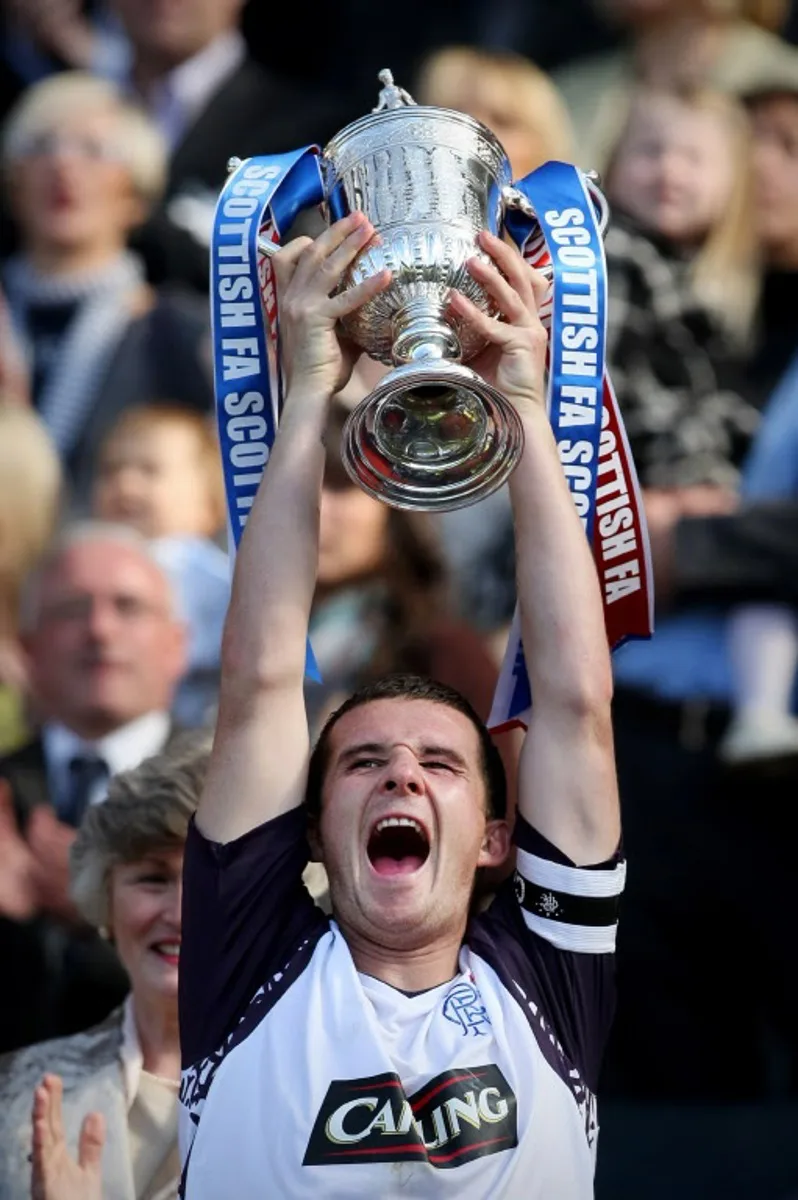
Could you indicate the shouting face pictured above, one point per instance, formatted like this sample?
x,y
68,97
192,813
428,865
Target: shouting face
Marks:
x,y
404,823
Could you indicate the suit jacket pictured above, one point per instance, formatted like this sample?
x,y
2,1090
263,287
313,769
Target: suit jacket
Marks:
x,y
251,113
58,980
161,356
90,1065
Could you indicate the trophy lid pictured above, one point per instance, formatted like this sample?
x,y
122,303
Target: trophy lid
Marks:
x,y
396,118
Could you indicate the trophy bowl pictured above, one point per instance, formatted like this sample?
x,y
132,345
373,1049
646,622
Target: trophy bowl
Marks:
x,y
433,434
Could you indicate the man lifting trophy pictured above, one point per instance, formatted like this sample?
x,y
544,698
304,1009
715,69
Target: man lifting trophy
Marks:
x,y
405,1046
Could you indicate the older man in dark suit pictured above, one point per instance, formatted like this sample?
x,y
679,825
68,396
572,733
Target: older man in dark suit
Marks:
x,y
211,100
106,652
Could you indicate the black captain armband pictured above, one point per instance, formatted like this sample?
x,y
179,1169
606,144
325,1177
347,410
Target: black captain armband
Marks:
x,y
574,908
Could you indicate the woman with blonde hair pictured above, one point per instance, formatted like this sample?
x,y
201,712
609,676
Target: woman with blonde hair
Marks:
x,y
30,491
82,167
507,93
104,1102
682,290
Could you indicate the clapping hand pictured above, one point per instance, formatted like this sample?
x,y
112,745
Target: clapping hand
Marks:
x,y
35,874
55,1175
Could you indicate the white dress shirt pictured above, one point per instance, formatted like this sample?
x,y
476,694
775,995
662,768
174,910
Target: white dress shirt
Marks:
x,y
121,750
178,98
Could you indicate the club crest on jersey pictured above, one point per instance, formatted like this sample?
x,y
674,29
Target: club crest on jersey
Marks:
x,y
458,1116
463,1006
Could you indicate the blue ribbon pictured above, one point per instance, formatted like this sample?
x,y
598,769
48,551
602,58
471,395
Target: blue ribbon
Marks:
x,y
264,193
566,217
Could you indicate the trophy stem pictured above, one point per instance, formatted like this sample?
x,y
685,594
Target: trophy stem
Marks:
x,y
422,332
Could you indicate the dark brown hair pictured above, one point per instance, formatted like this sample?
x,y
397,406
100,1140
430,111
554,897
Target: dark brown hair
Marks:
x,y
410,687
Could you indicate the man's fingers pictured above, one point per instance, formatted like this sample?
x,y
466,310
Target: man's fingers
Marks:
x,y
326,243
492,330
92,1140
285,261
346,302
510,304
336,263
519,274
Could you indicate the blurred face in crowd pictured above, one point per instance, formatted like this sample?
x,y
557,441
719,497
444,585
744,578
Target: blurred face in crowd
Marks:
x,y
157,479
352,532
167,32
72,192
775,161
526,147
104,647
673,171
403,824
145,899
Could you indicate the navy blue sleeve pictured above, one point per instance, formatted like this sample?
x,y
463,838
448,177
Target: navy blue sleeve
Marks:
x,y
550,936
246,913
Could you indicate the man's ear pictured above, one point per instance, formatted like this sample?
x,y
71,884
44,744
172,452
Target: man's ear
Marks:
x,y
314,839
495,844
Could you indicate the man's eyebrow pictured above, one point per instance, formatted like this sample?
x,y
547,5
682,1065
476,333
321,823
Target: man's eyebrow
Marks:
x,y
363,748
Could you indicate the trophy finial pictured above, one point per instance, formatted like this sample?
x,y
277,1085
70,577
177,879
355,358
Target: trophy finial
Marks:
x,y
391,96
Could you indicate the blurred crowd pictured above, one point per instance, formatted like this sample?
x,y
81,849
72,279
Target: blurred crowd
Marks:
x,y
119,117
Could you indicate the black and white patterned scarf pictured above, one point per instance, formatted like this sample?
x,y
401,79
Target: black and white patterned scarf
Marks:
x,y
103,313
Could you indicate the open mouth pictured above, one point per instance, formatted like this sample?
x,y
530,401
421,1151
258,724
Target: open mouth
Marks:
x,y
397,846
169,951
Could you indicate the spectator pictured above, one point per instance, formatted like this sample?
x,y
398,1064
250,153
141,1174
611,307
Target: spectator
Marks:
x,y
43,36
126,878
772,99
507,93
105,653
159,471
671,43
30,487
764,638
688,1028
82,167
691,932
682,286
211,100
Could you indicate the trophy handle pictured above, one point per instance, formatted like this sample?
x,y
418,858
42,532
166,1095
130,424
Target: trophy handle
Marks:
x,y
268,249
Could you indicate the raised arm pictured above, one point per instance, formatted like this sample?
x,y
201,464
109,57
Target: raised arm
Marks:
x,y
567,785
260,754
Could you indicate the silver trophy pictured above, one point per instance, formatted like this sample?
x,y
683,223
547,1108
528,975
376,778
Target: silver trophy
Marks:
x,y
433,434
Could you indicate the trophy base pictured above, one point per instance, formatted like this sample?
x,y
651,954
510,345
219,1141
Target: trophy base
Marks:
x,y
433,437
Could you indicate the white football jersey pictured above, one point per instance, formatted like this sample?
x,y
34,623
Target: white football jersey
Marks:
x,y
304,1078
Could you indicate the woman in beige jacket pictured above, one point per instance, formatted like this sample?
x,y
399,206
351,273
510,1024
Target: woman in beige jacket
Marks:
x,y
94,1116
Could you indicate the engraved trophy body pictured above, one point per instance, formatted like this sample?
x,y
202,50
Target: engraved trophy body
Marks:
x,y
433,434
